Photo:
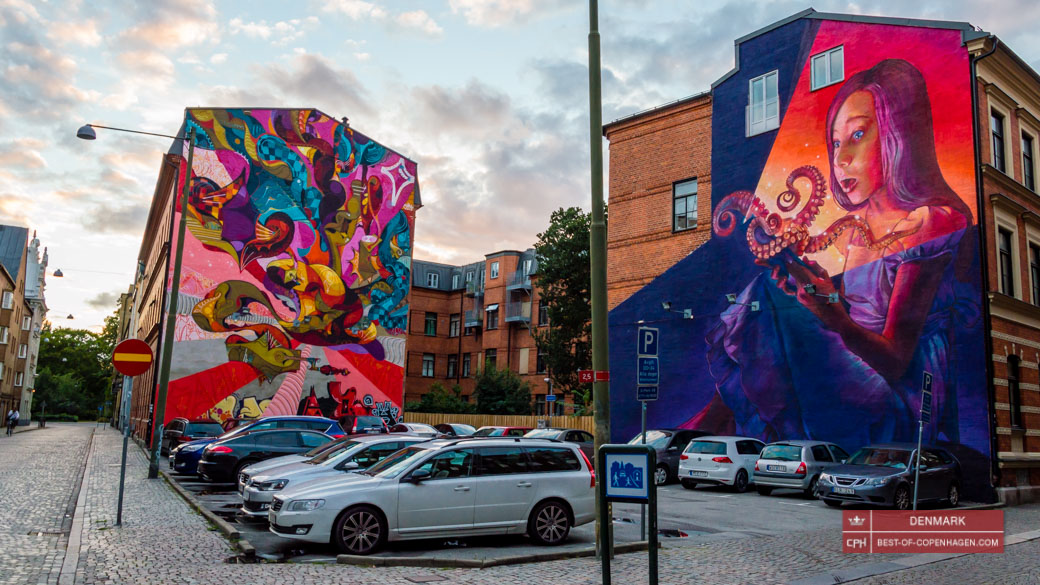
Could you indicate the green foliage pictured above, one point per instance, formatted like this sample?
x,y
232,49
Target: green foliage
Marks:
x,y
443,400
501,392
564,282
74,371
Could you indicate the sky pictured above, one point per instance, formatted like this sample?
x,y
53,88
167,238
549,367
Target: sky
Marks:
x,y
489,97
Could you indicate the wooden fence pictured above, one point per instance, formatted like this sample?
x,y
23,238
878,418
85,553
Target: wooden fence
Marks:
x,y
584,423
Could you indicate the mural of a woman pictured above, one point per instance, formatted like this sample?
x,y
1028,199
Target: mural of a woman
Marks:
x,y
904,289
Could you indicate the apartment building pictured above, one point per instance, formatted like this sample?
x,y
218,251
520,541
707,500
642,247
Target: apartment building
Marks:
x,y
22,311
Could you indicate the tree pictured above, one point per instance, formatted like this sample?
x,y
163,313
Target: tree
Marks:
x,y
443,400
74,371
501,392
564,283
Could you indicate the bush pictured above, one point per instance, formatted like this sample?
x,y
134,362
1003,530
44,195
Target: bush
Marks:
x,y
441,399
57,417
501,392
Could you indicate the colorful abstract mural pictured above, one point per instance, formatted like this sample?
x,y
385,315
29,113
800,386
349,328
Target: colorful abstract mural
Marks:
x,y
844,254
293,295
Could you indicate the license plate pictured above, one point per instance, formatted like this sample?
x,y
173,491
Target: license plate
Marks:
x,y
776,468
846,491
698,474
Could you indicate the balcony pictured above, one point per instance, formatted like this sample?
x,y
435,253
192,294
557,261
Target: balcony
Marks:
x,y
519,280
518,311
473,289
473,318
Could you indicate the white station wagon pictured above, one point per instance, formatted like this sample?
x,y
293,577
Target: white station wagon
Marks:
x,y
445,488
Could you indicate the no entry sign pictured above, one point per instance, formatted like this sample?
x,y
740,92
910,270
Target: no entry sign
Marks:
x,y
132,357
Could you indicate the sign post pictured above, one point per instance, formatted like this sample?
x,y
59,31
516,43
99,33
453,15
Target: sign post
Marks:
x,y
647,379
926,416
131,357
628,476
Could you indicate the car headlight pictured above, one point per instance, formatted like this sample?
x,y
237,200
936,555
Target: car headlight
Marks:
x,y
876,481
826,477
271,486
190,448
305,505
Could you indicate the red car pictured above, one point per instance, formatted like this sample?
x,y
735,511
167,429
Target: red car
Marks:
x,y
501,431
182,430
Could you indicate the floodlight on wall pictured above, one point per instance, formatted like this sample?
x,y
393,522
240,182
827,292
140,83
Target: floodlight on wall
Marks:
x,y
666,306
810,289
732,299
686,313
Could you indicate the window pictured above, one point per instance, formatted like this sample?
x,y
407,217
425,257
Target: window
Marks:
x,y
431,324
749,447
8,299
469,276
1007,275
1034,271
312,440
684,205
453,325
26,323
427,365
455,281
280,439
502,460
18,377
539,366
433,279
1,370
543,314
543,459
4,334
1028,178
466,361
449,464
1014,392
23,351
828,68
527,266
839,453
820,453
996,126
763,109
494,270
491,321
491,357
453,365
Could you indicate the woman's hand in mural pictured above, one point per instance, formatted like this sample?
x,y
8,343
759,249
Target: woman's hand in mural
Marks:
x,y
813,287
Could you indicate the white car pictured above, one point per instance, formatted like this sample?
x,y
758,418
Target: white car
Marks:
x,y
453,488
355,454
720,460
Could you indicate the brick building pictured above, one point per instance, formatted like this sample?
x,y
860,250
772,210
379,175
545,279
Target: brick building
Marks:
x,y
22,311
462,316
749,360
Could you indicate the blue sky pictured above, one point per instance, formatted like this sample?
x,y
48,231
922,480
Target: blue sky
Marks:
x,y
488,96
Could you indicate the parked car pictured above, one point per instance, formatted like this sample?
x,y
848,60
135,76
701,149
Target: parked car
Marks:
x,y
795,465
583,439
181,430
263,466
234,423
363,424
185,458
224,460
721,461
669,444
491,431
354,454
884,475
455,429
445,488
420,429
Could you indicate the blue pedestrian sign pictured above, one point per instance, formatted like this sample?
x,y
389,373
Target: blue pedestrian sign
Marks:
x,y
647,341
628,476
646,372
646,393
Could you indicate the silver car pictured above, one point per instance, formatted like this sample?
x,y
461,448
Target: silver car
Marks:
x,y
795,465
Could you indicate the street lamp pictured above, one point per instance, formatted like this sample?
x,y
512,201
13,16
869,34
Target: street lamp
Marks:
x,y
86,132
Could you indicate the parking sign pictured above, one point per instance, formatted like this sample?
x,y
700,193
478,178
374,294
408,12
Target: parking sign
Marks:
x,y
647,342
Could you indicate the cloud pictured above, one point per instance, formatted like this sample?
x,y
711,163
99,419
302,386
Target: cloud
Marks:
x,y
173,24
105,218
82,32
362,56
355,9
23,153
497,13
218,58
283,32
420,21
471,110
104,300
313,79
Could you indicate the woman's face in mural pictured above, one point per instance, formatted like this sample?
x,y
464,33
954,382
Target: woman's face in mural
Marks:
x,y
857,148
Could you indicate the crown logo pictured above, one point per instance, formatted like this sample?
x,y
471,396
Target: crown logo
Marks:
x,y
856,521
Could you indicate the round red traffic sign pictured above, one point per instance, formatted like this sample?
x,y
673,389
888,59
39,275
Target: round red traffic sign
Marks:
x,y
132,357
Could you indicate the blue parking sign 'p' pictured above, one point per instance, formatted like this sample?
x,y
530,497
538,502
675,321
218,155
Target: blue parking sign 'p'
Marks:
x,y
647,341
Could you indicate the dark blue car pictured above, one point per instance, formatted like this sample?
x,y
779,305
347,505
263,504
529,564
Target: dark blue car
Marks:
x,y
185,458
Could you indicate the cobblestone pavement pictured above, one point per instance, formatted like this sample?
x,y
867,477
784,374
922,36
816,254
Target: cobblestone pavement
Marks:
x,y
39,477
163,541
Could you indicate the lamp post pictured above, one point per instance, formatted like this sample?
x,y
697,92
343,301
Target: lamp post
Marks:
x,y
87,133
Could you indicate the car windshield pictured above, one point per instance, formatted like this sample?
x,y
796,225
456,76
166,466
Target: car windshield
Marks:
x,y
489,432
204,429
327,454
706,448
782,453
656,439
421,428
897,458
369,421
395,464
542,433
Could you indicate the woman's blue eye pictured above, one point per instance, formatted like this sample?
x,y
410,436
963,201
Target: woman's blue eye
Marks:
x,y
837,143
857,135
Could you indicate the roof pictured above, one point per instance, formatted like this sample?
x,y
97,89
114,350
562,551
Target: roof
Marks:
x,y
801,442
13,240
648,111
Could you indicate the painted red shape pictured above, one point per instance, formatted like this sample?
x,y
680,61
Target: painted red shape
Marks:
x,y
192,396
132,357
602,375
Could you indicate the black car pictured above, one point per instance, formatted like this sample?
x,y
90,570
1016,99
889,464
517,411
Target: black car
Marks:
x,y
583,439
181,430
223,460
884,475
354,425
669,444
455,429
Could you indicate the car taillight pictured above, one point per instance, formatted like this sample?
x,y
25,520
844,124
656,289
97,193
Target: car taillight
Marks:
x,y
722,459
336,436
801,469
592,470
684,457
219,449
756,465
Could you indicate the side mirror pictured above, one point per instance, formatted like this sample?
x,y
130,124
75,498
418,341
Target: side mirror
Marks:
x,y
419,475
673,448
844,460
173,433
350,466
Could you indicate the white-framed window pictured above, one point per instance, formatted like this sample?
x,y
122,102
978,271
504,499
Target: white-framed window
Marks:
x,y
433,279
494,270
5,335
1028,164
455,281
26,323
23,351
8,301
469,276
763,109
1,370
828,67
997,133
684,205
427,365
527,266
19,377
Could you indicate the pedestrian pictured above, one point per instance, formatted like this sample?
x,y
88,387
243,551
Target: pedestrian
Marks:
x,y
12,420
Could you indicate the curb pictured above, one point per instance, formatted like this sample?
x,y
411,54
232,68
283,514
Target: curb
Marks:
x,y
447,562
232,533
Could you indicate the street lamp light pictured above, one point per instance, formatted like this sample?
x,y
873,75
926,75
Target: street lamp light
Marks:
x,y
86,132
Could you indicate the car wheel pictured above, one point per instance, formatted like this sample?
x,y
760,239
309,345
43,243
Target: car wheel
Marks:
x,y
810,492
360,531
549,523
901,501
661,475
764,490
832,503
688,484
238,469
953,495
740,483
